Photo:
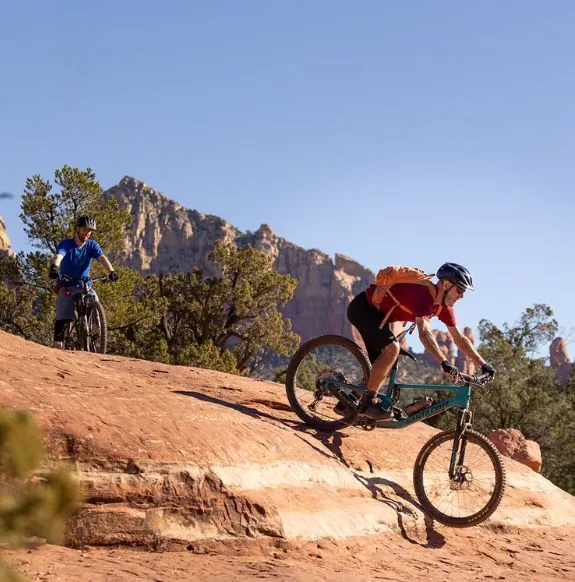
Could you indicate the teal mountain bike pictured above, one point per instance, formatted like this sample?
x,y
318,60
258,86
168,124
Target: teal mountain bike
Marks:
x,y
459,476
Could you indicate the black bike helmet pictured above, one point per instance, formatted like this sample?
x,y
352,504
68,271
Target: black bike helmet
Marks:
x,y
87,221
456,274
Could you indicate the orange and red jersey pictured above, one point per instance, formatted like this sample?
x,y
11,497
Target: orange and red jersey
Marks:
x,y
417,299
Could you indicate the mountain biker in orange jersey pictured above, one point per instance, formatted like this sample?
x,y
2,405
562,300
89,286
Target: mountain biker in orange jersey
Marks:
x,y
414,302
72,260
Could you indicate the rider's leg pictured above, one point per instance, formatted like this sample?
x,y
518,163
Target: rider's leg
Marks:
x,y
382,366
59,329
64,315
379,372
382,349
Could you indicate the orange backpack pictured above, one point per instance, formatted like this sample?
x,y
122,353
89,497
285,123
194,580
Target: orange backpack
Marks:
x,y
389,276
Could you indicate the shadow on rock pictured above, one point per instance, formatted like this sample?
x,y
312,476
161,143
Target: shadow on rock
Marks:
x,y
332,442
243,408
375,486
292,425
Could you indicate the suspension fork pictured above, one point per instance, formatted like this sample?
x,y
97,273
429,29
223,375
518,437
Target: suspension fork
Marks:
x,y
464,423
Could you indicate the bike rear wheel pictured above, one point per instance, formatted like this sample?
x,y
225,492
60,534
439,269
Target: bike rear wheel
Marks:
x,y
96,332
475,491
324,357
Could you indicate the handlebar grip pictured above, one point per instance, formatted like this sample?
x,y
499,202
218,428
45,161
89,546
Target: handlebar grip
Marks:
x,y
481,380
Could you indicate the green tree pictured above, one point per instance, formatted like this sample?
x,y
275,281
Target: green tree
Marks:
x,y
559,457
38,507
227,321
24,307
48,216
134,310
523,393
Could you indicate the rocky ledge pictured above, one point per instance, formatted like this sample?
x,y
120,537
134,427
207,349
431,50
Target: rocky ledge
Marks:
x,y
174,457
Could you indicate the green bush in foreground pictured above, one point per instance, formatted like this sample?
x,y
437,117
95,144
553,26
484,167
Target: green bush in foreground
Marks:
x,y
33,503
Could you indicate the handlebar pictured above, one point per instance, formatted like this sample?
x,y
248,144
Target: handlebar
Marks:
x,y
83,279
480,380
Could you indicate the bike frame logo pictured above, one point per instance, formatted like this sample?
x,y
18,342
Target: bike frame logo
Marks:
x,y
428,411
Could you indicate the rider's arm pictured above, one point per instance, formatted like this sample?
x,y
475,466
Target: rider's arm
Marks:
x,y
465,345
428,339
103,260
60,253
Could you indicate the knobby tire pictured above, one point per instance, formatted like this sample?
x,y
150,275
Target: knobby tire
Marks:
x,y
480,514
95,309
306,349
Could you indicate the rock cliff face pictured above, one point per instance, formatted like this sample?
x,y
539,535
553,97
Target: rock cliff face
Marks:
x,y
513,444
5,245
164,237
462,361
559,359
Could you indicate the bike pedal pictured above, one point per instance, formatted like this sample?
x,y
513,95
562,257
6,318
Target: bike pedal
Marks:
x,y
398,413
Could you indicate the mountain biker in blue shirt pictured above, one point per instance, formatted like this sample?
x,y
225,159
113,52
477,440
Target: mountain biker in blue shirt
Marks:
x,y
72,260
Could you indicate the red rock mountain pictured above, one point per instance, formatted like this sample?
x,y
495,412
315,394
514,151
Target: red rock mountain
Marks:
x,y
447,346
165,236
559,359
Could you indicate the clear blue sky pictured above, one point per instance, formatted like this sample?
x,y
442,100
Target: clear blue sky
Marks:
x,y
409,132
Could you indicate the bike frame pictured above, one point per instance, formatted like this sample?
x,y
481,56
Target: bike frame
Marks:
x,y
460,398
78,324
349,384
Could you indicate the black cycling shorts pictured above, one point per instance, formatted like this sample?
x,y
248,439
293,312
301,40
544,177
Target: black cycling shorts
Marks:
x,y
367,320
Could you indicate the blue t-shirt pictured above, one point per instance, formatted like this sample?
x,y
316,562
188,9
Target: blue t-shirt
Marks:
x,y
77,260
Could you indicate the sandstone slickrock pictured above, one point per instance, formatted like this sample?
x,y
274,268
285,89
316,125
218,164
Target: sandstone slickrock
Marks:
x,y
511,443
170,456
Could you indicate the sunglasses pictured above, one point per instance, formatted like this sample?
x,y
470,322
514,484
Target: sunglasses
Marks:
x,y
460,290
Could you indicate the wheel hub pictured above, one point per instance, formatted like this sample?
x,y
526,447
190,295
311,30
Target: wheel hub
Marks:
x,y
462,479
324,379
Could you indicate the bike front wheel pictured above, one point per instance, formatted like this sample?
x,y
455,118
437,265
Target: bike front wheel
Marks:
x,y
96,332
73,338
473,493
320,359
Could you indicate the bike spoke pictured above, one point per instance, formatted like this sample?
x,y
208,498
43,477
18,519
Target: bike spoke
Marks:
x,y
465,495
324,363
322,368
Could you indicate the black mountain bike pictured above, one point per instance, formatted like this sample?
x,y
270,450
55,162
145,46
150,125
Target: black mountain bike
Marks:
x,y
88,331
